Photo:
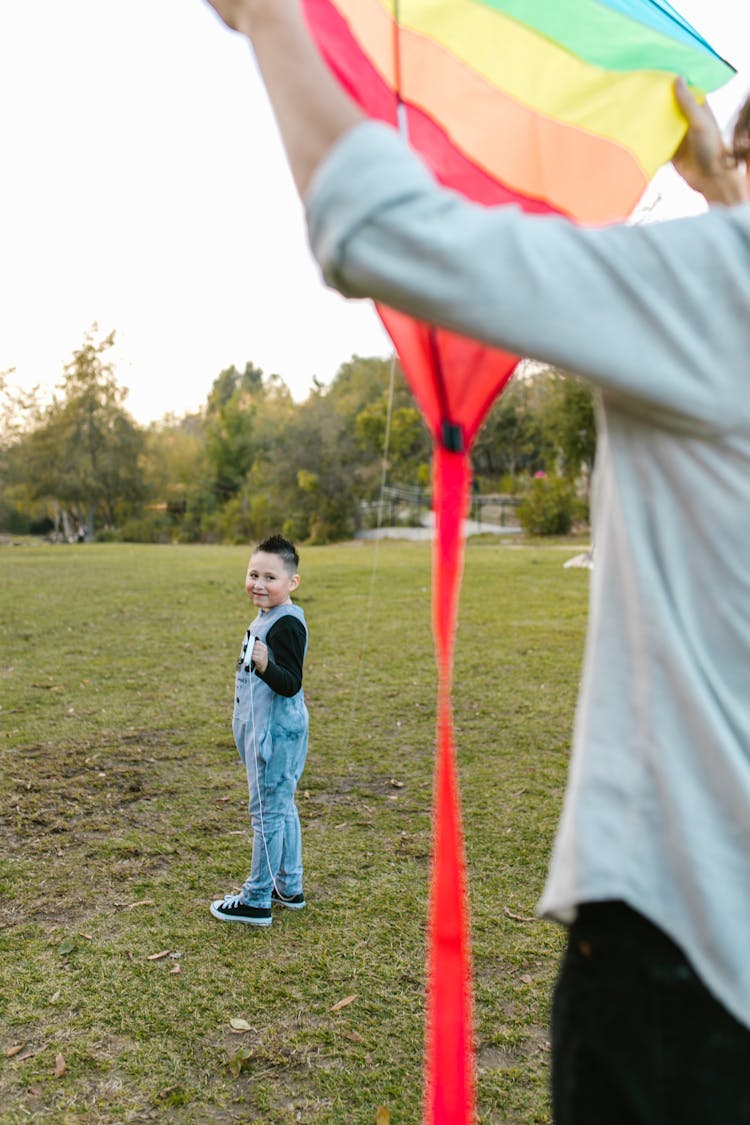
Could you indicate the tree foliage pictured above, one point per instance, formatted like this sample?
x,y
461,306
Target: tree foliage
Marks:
x,y
81,453
254,461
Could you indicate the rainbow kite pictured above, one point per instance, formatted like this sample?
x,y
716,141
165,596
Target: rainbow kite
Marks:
x,y
562,106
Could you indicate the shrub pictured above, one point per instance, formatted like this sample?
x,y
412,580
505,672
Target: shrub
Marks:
x,y
151,527
548,507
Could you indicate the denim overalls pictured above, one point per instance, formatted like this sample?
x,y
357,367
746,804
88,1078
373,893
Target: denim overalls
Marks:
x,y
270,731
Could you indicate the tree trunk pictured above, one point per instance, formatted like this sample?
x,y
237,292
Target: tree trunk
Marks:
x,y
67,526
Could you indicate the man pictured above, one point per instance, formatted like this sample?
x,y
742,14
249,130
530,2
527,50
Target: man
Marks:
x,y
651,867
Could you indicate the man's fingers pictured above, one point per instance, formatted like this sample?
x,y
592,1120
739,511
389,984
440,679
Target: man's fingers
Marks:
x,y
685,100
229,12
699,114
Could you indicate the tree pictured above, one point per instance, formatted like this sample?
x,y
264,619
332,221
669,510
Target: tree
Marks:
x,y
409,446
512,439
544,421
309,479
244,411
82,452
17,408
569,419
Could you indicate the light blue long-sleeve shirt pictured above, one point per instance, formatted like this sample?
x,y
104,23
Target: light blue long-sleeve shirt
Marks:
x,y
657,810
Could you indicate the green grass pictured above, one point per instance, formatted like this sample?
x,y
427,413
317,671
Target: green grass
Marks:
x,y
120,786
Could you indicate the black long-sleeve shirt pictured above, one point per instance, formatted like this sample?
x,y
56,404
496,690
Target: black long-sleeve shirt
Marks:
x,y
286,640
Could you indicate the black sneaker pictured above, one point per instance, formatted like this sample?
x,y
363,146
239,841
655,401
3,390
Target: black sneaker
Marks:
x,y
294,902
231,909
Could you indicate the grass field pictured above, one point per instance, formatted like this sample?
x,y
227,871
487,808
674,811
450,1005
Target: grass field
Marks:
x,y
124,812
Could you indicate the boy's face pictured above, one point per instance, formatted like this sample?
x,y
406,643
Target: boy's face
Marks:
x,y
268,582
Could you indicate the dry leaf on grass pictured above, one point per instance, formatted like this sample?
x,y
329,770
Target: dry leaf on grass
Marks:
x,y
167,1092
517,917
54,997
141,902
343,1003
526,978
382,1116
238,1024
175,969
158,956
11,1051
60,1067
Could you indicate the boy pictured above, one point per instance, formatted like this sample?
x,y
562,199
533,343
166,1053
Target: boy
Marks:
x,y
270,726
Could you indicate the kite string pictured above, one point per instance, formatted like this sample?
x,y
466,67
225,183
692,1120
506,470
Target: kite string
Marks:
x,y
401,119
367,616
450,435
397,49
375,557
279,894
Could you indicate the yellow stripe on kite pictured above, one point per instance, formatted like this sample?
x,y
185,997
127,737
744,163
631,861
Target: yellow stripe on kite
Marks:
x,y
531,69
590,178
560,162
546,77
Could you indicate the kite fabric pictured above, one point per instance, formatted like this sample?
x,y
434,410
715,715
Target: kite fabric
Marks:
x,y
564,108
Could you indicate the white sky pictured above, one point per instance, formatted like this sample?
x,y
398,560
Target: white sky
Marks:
x,y
143,187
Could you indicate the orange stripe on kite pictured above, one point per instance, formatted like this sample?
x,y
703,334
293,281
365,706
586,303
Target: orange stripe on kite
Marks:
x,y
591,178
358,76
588,177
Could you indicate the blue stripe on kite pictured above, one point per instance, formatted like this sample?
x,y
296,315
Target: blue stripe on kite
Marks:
x,y
680,19
660,15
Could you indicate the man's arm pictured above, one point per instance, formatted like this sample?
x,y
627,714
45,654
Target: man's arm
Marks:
x,y
311,109
652,311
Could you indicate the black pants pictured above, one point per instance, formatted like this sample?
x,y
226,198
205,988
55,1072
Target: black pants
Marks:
x,y
637,1039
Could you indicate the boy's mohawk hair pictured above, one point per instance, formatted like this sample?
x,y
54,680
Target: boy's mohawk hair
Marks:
x,y
278,545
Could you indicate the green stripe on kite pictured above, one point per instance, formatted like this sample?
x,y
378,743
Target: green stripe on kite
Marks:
x,y
609,36
662,17
566,138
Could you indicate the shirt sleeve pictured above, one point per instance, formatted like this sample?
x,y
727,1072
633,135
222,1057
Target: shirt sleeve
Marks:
x,y
286,641
655,312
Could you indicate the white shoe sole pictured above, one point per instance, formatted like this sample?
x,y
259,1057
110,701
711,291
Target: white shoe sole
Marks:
x,y
217,913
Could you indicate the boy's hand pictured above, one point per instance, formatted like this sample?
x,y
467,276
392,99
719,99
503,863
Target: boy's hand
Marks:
x,y
260,656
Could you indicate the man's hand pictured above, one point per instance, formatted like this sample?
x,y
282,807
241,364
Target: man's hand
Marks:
x,y
312,111
703,159
238,14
